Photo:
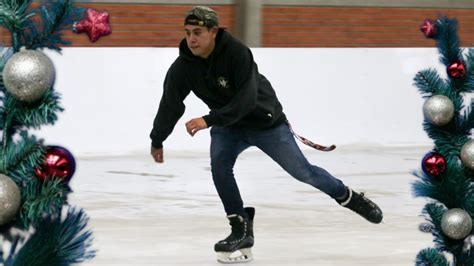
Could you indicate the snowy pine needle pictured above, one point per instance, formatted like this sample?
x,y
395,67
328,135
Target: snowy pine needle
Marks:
x,y
56,241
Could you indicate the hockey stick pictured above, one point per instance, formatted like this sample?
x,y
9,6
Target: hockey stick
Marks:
x,y
309,142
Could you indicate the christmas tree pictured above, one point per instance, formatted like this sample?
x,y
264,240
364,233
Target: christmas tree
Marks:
x,y
37,225
447,172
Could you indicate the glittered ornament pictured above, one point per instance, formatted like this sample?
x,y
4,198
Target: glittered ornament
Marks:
x,y
433,164
429,28
59,162
438,110
96,24
28,74
456,69
467,154
10,199
456,223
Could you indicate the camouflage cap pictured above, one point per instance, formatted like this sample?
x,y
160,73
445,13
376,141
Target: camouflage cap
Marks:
x,y
202,16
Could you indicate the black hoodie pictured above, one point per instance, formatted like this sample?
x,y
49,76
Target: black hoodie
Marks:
x,y
229,83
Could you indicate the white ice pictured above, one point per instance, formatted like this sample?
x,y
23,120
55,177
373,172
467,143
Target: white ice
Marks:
x,y
143,213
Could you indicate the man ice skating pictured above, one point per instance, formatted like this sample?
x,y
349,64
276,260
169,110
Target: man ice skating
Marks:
x,y
244,112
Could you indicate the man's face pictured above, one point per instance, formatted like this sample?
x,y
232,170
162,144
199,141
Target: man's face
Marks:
x,y
200,39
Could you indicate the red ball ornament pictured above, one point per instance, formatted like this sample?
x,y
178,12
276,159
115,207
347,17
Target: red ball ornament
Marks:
x,y
96,25
58,162
429,28
456,69
434,164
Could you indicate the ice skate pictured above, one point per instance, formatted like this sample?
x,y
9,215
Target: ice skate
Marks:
x,y
237,247
363,206
239,256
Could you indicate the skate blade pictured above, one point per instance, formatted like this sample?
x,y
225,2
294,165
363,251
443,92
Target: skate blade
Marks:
x,y
239,256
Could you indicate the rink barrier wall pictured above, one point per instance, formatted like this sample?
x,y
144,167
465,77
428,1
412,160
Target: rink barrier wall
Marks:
x,y
342,96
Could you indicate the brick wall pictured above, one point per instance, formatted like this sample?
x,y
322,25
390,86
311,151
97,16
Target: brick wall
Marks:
x,y
141,25
160,25
285,26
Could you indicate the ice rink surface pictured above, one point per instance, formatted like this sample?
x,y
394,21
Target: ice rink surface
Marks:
x,y
143,213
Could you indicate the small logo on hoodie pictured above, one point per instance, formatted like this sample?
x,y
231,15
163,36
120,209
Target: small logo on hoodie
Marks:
x,y
223,82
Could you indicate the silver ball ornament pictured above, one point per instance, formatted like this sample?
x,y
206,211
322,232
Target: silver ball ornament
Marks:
x,y
28,74
438,110
456,223
467,154
10,199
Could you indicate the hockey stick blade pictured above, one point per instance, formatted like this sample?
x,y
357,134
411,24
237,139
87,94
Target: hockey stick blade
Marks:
x,y
318,147
325,148
308,142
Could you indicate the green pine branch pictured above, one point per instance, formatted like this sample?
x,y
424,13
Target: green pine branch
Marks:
x,y
464,258
56,241
36,114
454,190
32,32
451,189
14,17
435,212
17,115
41,199
448,46
13,14
47,31
448,139
3,59
467,121
448,41
468,84
431,257
20,157
469,198
429,82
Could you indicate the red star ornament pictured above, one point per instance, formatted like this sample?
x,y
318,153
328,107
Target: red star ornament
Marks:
x,y
429,28
96,24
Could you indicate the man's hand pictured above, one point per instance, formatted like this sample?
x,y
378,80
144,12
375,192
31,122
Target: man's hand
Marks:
x,y
157,154
194,125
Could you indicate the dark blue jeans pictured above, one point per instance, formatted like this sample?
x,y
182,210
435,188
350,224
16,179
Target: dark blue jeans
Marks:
x,y
278,143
